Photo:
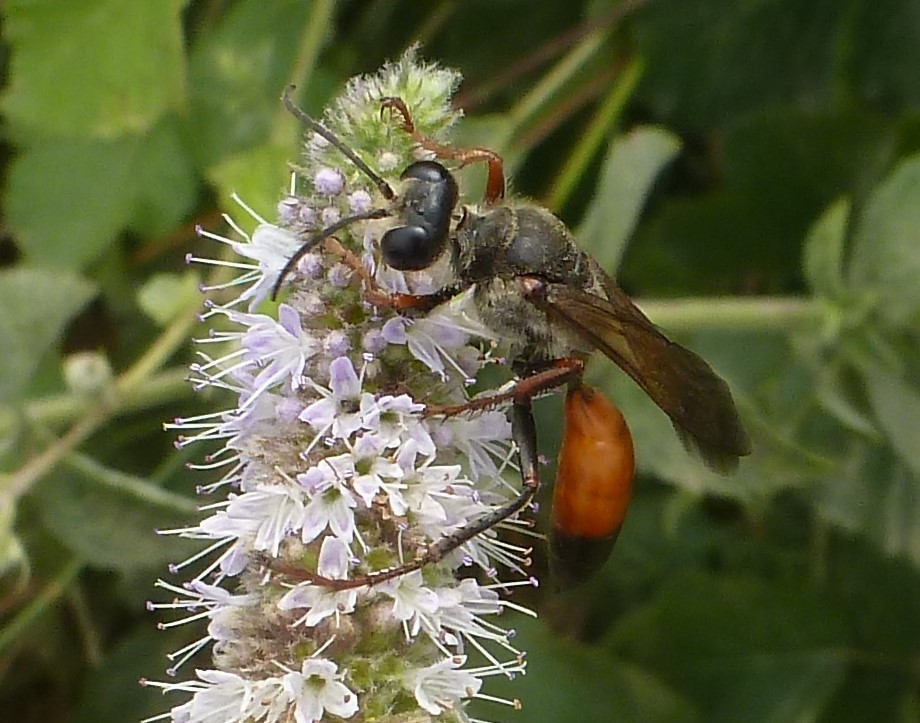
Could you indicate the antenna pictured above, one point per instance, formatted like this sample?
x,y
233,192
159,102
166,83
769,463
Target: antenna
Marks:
x,y
316,238
311,242
321,130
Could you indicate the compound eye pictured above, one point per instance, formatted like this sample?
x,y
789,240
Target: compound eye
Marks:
x,y
409,248
430,171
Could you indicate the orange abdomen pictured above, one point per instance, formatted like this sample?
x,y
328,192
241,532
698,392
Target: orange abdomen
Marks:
x,y
593,483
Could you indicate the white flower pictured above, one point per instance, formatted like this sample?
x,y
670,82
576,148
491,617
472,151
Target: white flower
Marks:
x,y
331,502
442,686
227,531
480,438
317,688
221,606
428,487
320,601
269,245
396,420
224,697
267,514
338,410
374,474
412,600
461,610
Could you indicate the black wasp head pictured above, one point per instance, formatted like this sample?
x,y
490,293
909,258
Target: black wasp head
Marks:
x,y
429,201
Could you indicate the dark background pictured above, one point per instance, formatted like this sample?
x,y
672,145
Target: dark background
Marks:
x,y
772,149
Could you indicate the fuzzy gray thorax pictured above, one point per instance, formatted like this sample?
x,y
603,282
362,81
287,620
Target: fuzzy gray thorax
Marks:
x,y
493,249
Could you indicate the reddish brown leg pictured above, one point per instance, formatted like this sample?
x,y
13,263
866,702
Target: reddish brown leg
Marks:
x,y
402,303
562,371
495,184
525,436
523,431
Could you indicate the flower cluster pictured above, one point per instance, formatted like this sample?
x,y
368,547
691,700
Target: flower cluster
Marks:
x,y
333,470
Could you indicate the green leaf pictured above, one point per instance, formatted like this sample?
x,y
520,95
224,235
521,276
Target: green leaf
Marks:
x,y
165,183
111,691
876,496
12,554
897,407
166,295
872,694
665,533
99,188
744,649
94,68
258,176
91,184
778,169
237,74
630,169
837,398
110,518
879,594
885,261
707,60
882,55
36,306
897,526
567,682
823,254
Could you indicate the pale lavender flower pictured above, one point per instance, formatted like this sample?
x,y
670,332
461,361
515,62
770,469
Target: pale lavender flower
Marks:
x,y
440,687
339,275
331,503
373,341
375,473
333,468
360,201
336,343
311,266
339,410
318,688
329,216
436,338
328,182
279,348
307,216
321,602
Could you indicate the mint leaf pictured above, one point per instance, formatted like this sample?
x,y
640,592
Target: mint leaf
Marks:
x,y
36,305
885,262
98,68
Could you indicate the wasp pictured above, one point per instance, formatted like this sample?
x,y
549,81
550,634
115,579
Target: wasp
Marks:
x,y
555,306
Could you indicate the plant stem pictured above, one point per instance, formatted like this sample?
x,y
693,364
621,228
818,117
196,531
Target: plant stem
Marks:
x,y
317,31
598,130
765,313
174,336
551,83
56,411
38,605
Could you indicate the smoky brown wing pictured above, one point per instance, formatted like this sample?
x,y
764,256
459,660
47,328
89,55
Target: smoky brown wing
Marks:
x,y
696,399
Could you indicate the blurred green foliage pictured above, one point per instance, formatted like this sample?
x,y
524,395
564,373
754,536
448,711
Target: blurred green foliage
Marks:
x,y
761,156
